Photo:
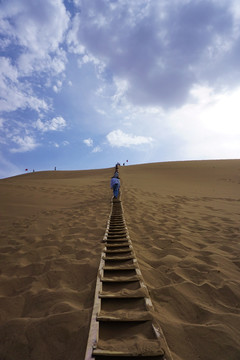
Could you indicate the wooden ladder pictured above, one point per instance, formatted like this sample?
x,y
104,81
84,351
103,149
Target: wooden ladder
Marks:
x,y
122,324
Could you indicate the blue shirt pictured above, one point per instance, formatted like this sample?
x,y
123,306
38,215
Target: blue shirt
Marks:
x,y
114,181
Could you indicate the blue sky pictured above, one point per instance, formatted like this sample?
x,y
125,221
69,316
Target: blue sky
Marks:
x,y
87,83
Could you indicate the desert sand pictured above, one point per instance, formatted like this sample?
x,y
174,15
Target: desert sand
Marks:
x,y
183,219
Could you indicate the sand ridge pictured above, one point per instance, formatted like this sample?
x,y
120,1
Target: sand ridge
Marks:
x,y
183,220
51,230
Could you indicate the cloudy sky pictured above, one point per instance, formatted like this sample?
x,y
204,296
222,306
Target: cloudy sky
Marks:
x,y
87,83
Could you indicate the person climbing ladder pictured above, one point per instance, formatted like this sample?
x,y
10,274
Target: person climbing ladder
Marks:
x,y
115,185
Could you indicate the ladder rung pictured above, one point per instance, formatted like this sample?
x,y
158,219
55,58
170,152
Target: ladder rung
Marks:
x,y
118,258
120,278
144,349
117,251
121,295
120,267
125,316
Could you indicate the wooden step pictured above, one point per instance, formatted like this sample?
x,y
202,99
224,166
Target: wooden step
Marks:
x,y
119,278
124,316
112,255
120,228
109,240
117,227
119,267
117,348
116,236
116,222
118,258
117,233
124,293
123,244
117,251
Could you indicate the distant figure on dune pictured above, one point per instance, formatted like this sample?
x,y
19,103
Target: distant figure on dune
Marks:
x,y
115,185
116,175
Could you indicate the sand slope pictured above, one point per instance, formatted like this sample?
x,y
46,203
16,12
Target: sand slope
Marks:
x,y
51,227
183,220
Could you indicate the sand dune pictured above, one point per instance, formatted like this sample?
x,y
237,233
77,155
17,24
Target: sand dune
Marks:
x,y
51,227
183,220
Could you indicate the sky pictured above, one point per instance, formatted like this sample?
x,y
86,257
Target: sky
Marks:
x,y
88,83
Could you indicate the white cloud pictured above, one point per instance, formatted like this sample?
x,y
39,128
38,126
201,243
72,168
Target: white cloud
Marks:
x,y
118,138
56,124
14,94
58,145
122,86
88,142
72,38
4,43
38,30
77,3
209,128
53,63
156,46
7,70
97,149
100,111
57,87
25,143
